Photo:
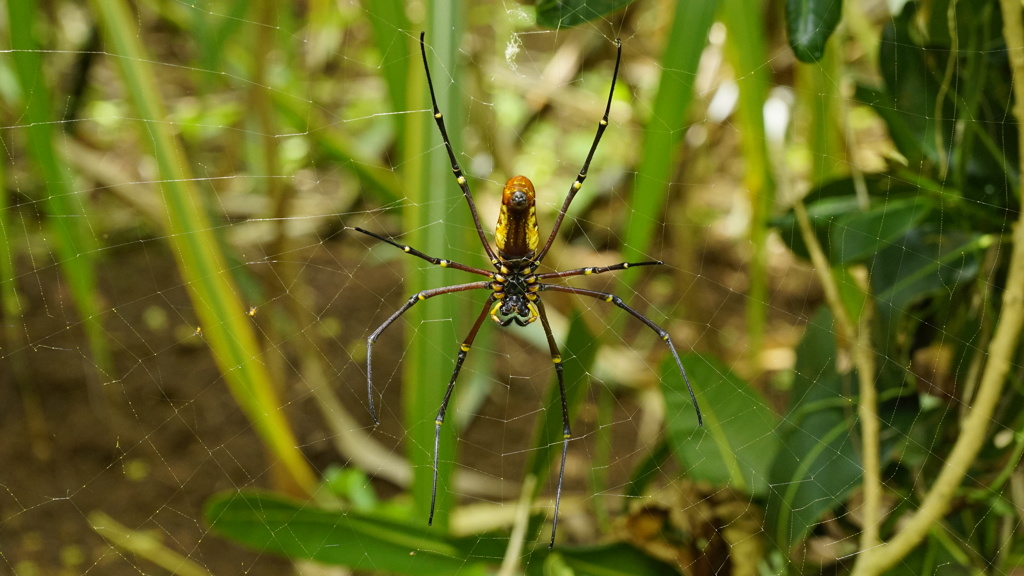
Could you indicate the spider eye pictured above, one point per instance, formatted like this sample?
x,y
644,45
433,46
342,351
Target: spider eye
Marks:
x,y
519,200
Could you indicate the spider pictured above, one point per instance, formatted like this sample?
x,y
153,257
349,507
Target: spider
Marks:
x,y
514,284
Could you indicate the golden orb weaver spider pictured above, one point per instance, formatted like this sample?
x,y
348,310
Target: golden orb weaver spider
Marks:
x,y
514,283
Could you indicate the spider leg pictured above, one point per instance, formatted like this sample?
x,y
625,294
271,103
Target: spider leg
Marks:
x,y
459,178
596,269
463,352
433,260
556,359
607,297
418,297
578,183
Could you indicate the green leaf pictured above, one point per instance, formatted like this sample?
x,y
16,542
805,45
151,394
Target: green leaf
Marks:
x,y
737,443
860,235
746,47
567,13
926,261
849,233
809,24
824,204
430,187
390,33
922,264
268,522
608,560
911,94
647,470
816,466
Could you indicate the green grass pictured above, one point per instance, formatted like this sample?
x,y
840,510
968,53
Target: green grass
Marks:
x,y
222,314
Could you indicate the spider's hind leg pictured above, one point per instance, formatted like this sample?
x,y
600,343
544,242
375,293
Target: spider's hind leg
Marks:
x,y
463,352
556,359
613,299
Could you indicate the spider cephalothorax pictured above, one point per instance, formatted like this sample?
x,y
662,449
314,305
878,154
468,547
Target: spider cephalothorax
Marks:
x,y
514,283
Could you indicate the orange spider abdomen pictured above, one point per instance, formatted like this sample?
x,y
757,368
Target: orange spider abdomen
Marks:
x,y
516,233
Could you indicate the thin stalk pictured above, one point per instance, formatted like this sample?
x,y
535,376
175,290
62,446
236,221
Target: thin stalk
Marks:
x,y
143,544
858,338
870,428
517,539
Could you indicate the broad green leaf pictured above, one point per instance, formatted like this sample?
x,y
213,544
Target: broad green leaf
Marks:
x,y
859,235
268,522
921,267
608,560
925,261
567,13
809,24
913,89
816,466
825,204
737,443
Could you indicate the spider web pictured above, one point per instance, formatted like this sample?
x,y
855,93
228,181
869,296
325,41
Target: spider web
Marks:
x,y
109,451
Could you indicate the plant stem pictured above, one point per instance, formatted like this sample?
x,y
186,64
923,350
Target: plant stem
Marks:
x,y
144,545
867,410
858,338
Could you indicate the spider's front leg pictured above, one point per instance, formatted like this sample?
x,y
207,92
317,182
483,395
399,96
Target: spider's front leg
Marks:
x,y
418,297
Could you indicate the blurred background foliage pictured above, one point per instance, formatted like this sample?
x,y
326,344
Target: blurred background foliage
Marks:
x,y
833,186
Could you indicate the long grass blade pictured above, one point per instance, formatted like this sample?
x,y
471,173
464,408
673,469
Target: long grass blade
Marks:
x,y
746,45
201,263
664,132
75,246
391,34
434,199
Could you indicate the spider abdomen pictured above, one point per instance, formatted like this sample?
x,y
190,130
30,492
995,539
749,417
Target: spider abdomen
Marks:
x,y
516,232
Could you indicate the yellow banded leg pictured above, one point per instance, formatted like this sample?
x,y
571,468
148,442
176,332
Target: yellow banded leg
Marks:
x,y
463,352
556,359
